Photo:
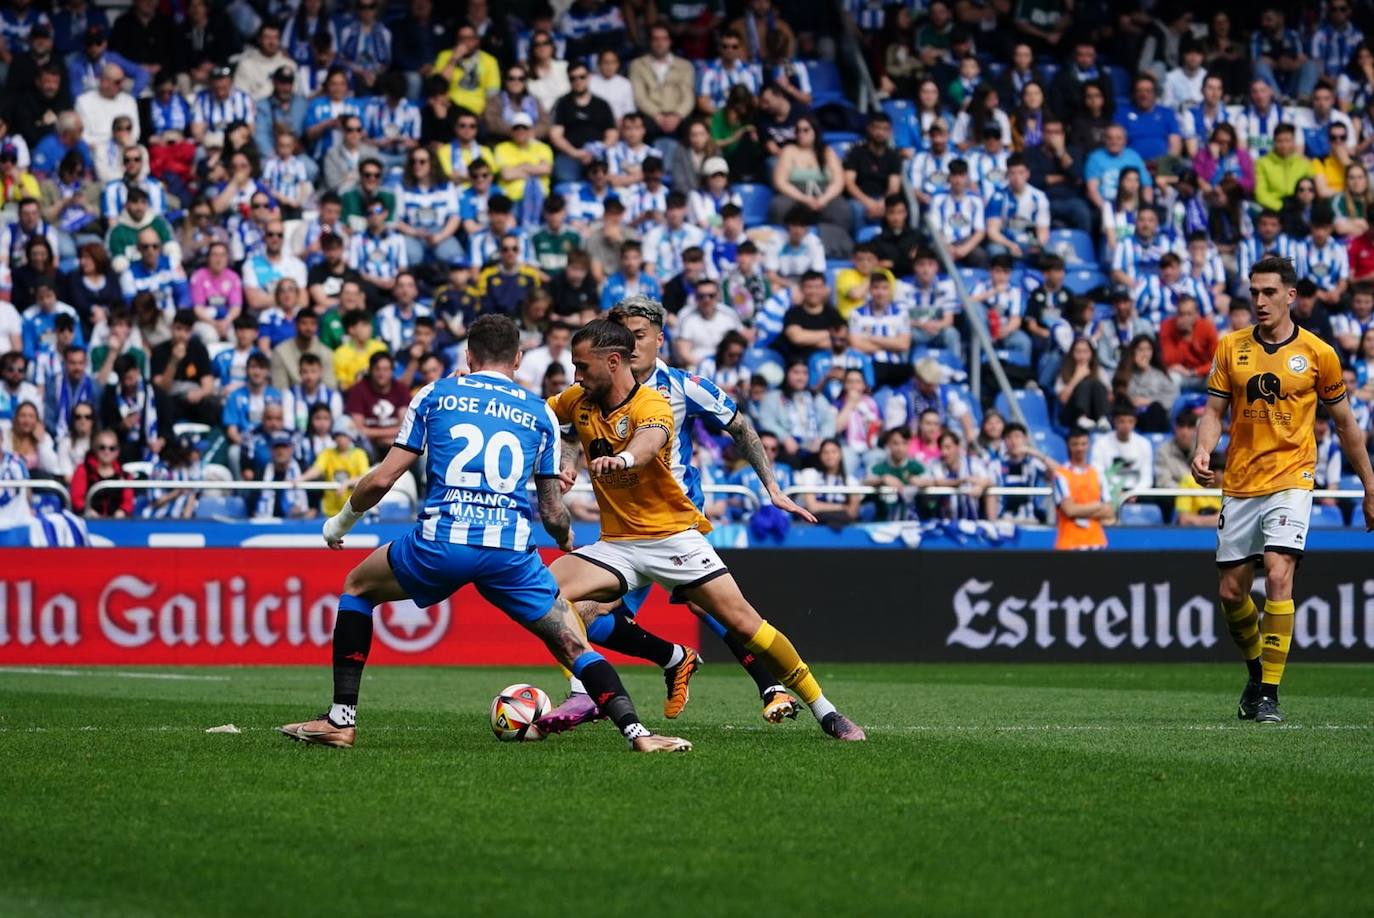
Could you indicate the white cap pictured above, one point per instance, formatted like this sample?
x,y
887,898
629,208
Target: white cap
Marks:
x,y
520,119
715,165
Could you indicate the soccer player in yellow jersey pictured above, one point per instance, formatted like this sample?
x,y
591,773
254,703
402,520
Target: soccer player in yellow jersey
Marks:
x,y
650,530
1271,376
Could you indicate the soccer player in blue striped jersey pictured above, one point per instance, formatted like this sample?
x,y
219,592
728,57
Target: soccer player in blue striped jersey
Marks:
x,y
689,396
486,438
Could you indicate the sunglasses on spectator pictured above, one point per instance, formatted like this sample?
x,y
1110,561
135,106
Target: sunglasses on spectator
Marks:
x,y
706,294
272,235
510,248
123,127
132,160
258,205
541,43
371,173
1338,135
515,77
83,416
106,448
420,159
352,128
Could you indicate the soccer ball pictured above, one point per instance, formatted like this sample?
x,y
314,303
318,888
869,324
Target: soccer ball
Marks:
x,y
514,711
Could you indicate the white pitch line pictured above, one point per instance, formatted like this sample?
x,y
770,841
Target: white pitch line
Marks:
x,y
751,728
120,673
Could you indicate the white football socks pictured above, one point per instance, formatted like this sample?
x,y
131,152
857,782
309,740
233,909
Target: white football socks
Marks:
x,y
677,657
822,707
575,686
343,715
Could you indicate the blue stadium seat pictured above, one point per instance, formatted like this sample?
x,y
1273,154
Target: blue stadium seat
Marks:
x,y
395,511
1101,312
1141,515
906,128
213,505
826,85
1074,246
758,357
1047,71
837,139
833,267
868,232
1033,407
1187,401
972,277
951,359
754,202
1051,444
1083,280
1327,517
1121,81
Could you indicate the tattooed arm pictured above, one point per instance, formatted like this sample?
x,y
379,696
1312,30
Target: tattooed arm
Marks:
x,y
751,448
557,521
569,449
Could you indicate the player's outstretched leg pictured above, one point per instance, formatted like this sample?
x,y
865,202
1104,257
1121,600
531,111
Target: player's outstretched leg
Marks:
x,y
722,599
1242,619
619,631
560,633
367,585
778,704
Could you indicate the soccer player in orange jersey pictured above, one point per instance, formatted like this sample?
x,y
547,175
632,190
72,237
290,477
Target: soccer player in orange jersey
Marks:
x,y
650,529
1271,376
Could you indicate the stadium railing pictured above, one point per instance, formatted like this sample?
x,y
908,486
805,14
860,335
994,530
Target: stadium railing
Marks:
x,y
40,484
229,486
998,491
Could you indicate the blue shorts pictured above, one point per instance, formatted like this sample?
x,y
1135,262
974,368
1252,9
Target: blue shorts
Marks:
x,y
517,583
633,601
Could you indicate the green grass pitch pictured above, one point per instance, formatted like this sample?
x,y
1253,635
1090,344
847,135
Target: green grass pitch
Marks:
x,y
983,790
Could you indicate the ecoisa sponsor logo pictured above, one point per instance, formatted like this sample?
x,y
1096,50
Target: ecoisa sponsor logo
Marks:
x,y
132,612
1145,616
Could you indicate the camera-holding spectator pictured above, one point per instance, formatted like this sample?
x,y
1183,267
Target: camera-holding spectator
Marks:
x,y
102,464
1021,467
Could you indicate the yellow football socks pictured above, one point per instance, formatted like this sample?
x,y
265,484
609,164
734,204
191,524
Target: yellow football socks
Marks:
x,y
1276,636
777,653
1243,622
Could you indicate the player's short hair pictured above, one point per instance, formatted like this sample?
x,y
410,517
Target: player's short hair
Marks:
x,y
638,304
1277,264
605,335
493,339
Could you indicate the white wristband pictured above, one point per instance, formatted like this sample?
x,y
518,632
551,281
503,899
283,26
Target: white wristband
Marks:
x,y
627,457
347,516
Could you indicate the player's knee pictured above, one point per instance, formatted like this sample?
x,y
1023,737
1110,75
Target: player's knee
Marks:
x,y
1231,592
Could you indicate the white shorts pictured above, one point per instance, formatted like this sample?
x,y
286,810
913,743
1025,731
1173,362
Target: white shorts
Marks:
x,y
1250,526
677,563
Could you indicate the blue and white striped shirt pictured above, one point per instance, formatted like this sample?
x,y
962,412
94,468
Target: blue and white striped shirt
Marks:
x,y
396,330
1332,48
382,122
484,247
175,508
426,208
717,80
1325,265
174,115
297,405
1252,248
959,217
929,171
486,438
643,201
113,198
1155,300
218,114
297,41
690,396
1258,131
1133,257
587,206
166,281
380,256
987,171
888,323
1009,303
285,178
1021,215
369,48
663,248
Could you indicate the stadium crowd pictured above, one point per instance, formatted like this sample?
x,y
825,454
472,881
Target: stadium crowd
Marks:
x,y
243,234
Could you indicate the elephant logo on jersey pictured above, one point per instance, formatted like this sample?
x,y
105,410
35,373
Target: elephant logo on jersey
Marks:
x,y
1264,387
600,448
